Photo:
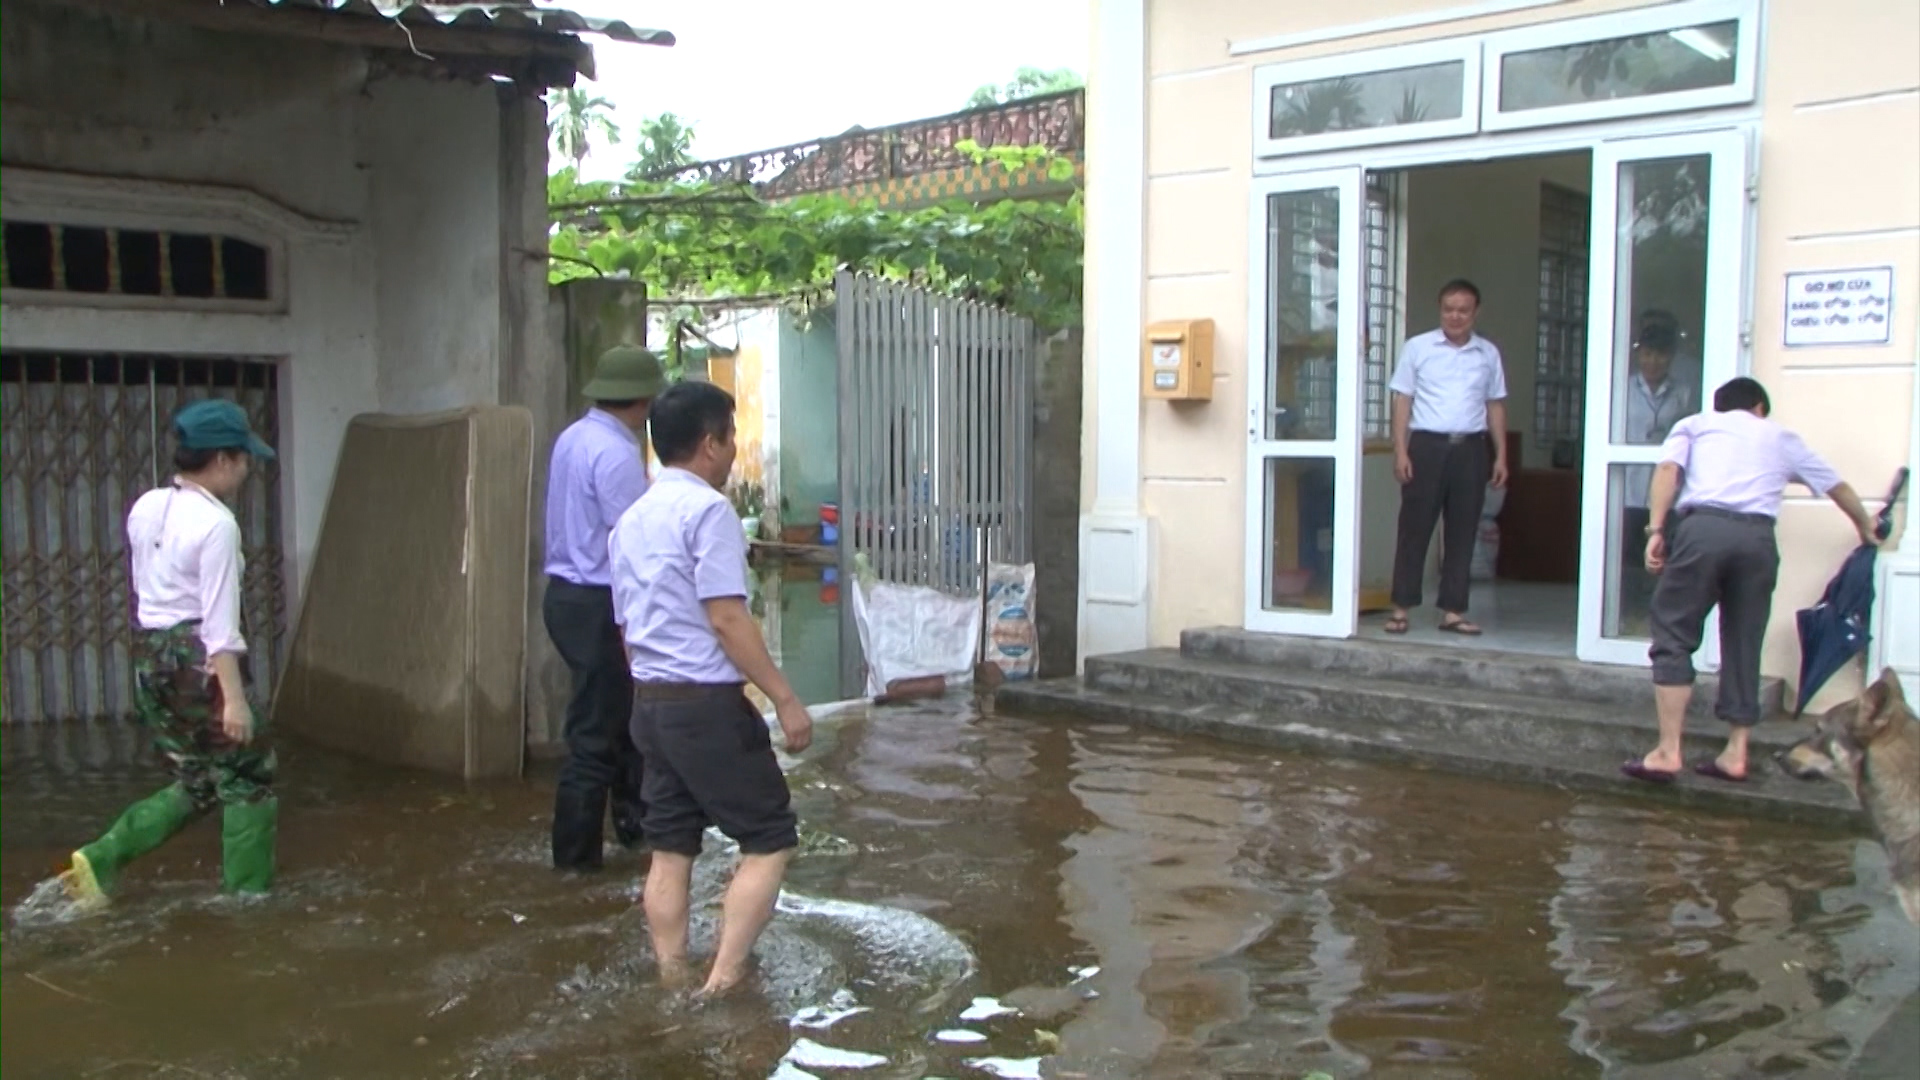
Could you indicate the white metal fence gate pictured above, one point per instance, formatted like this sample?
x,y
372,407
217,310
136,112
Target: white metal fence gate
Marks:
x,y
81,437
936,440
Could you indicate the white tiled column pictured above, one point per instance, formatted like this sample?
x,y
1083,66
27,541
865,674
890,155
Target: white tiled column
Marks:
x,y
1896,629
1116,551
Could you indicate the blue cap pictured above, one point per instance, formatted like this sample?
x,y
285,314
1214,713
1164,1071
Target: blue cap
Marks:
x,y
218,424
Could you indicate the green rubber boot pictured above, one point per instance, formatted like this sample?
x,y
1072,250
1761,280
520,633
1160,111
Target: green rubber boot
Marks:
x,y
144,826
246,845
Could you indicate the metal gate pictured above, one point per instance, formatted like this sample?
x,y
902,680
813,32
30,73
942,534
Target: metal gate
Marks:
x,y
936,439
82,435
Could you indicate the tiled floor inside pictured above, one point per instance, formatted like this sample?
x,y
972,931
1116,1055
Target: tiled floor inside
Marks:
x,y
1520,617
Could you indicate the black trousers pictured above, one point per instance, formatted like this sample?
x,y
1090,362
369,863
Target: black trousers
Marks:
x,y
601,759
1725,558
1450,474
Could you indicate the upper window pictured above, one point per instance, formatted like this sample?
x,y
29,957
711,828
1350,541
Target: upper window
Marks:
x,y
1664,59
1387,95
105,261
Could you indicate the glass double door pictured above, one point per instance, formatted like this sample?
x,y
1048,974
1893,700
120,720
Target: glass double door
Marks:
x,y
1670,226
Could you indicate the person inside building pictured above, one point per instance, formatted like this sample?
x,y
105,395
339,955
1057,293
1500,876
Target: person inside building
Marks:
x,y
1716,493
1449,443
598,471
680,582
1661,390
189,662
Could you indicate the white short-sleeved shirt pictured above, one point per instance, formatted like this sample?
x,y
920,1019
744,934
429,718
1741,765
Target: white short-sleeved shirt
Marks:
x,y
1450,384
185,547
1739,462
676,548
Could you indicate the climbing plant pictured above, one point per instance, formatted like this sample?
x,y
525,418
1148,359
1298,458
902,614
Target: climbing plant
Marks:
x,y
708,243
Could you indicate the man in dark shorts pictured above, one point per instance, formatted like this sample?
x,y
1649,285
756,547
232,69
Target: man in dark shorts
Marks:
x,y
680,593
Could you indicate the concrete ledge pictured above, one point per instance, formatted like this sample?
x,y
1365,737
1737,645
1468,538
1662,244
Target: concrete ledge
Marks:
x,y
1533,724
1768,794
1546,677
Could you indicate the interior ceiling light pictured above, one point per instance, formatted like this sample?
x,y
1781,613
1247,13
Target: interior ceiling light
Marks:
x,y
1702,42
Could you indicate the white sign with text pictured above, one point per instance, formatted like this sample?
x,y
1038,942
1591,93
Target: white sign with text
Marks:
x,y
1839,307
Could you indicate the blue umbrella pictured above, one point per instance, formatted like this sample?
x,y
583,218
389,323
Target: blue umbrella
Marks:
x,y
1834,631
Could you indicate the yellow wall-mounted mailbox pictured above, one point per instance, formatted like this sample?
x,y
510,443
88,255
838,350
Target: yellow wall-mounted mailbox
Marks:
x,y
1177,362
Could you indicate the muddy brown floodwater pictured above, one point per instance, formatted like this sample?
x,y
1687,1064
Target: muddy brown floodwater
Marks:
x,y
977,897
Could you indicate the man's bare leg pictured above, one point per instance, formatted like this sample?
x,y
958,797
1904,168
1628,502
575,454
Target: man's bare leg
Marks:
x,y
1733,759
669,880
744,913
1670,703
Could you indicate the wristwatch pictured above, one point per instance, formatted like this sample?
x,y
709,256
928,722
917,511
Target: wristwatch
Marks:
x,y
1652,528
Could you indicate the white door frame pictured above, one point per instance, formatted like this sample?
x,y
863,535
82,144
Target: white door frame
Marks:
x,y
1296,173
1340,620
1724,352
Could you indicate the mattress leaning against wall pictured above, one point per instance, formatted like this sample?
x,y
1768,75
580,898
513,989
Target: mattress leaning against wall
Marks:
x,y
411,644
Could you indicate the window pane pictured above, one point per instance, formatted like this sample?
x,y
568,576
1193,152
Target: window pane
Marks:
x,y
1414,95
1661,282
1303,289
1629,588
1560,367
1299,512
1667,62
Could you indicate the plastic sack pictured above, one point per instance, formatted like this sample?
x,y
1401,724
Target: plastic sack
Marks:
x,y
1012,638
911,632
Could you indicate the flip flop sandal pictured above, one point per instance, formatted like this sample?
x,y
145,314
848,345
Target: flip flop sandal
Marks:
x,y
1637,769
1397,625
1461,627
1711,769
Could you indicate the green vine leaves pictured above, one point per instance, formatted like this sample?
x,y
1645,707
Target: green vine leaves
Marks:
x,y
708,245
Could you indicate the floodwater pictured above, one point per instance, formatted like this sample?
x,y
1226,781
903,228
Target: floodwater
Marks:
x,y
977,897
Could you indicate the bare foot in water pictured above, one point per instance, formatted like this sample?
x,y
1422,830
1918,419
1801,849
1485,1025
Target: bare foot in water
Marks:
x,y
674,973
721,983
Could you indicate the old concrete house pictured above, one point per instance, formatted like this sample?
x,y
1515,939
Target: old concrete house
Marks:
x,y
323,207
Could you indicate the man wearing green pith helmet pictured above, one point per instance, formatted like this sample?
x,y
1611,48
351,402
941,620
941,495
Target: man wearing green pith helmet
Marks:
x,y
187,657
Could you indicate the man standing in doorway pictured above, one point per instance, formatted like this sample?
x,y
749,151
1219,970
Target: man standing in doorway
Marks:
x,y
1659,395
1722,475
598,471
1449,422
680,582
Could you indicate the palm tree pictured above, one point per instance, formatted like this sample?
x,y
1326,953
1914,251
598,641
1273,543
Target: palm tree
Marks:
x,y
574,118
663,143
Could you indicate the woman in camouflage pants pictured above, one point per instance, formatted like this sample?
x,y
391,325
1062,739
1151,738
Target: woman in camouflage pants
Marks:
x,y
187,657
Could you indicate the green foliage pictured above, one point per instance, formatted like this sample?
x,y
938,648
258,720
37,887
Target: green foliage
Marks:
x,y
706,241
663,142
1027,82
575,119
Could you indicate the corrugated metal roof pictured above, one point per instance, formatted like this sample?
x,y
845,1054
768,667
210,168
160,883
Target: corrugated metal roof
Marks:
x,y
499,15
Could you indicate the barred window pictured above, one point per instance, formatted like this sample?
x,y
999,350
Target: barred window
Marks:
x,y
1560,365
107,261
1386,321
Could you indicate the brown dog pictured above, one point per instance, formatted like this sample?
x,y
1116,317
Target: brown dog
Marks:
x,y
1872,745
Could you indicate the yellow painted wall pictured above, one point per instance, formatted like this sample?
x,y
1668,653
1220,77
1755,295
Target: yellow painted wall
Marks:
x,y
1839,183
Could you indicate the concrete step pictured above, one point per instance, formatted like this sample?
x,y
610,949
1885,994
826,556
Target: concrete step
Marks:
x,y
1463,668
1769,793
1542,727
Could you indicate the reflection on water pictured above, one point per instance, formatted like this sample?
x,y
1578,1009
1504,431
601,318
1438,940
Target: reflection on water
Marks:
x,y
798,605
976,897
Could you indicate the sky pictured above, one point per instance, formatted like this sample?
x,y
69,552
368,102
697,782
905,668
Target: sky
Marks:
x,y
755,74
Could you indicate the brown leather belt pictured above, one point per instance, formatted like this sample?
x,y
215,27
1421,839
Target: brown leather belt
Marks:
x,y
685,691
